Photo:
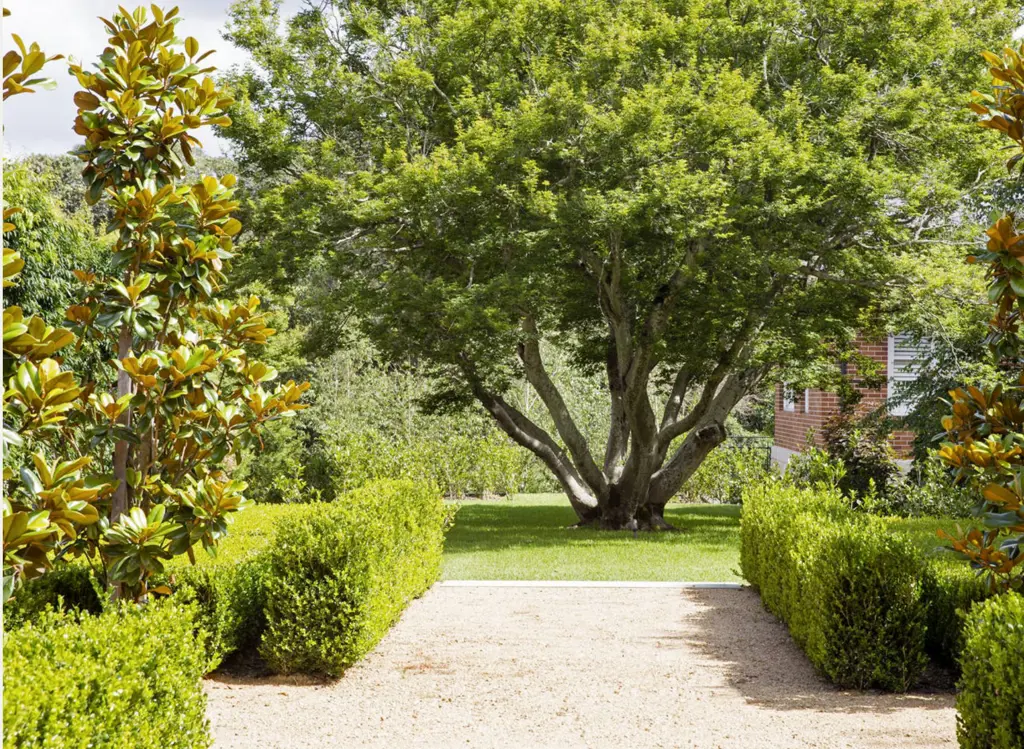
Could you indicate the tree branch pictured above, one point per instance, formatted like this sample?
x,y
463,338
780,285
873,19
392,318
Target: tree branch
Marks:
x,y
537,375
526,433
618,431
703,437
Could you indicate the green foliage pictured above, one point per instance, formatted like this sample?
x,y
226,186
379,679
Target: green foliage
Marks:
x,y
52,242
984,431
342,573
844,583
814,466
129,677
229,590
868,459
950,591
137,471
726,472
68,587
990,702
364,424
229,601
927,490
479,180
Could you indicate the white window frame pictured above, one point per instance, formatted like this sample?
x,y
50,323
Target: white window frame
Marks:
x,y
894,378
788,398
807,400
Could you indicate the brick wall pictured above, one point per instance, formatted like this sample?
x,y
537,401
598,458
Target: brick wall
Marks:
x,y
814,407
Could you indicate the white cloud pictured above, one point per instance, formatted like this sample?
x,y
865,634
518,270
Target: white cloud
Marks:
x,y
42,122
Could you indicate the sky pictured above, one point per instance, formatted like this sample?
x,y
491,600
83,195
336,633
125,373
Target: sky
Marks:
x,y
41,122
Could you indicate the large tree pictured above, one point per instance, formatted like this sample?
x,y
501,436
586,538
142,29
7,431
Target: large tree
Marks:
x,y
689,196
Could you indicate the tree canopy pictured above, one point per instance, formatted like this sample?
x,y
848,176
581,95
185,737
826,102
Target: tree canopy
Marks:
x,y
687,196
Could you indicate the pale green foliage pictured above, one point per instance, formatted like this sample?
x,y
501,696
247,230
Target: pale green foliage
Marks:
x,y
126,678
990,703
655,188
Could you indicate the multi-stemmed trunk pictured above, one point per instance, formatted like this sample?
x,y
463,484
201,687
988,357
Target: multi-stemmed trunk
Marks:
x,y
646,459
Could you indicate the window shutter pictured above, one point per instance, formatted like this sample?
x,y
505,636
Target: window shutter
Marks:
x,y
905,359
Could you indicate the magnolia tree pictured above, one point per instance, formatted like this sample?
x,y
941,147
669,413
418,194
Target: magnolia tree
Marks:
x,y
136,469
685,197
985,431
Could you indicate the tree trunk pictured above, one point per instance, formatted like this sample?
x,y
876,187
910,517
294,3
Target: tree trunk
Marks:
x,y
121,501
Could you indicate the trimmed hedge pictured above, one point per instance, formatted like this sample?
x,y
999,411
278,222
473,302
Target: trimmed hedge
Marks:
x,y
844,583
229,603
342,574
229,589
991,698
124,678
70,586
950,589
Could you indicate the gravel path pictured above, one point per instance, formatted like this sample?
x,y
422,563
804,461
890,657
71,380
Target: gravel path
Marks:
x,y
577,667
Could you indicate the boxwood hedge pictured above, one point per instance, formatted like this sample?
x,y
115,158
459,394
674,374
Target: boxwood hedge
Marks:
x,y
845,584
990,702
340,574
127,677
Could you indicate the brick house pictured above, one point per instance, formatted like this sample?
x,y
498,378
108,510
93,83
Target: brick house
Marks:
x,y
797,412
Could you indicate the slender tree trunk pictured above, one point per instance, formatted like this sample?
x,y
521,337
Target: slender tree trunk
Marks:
x,y
121,499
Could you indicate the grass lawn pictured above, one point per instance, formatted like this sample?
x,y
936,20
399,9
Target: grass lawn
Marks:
x,y
528,538
922,532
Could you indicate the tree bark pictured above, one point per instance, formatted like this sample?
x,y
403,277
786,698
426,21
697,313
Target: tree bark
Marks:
x,y
637,476
121,499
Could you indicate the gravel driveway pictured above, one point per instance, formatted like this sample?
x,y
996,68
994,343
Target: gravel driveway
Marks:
x,y
568,667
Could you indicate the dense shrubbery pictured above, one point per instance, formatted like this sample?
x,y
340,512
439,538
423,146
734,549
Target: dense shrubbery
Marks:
x,y
725,474
927,490
319,583
366,424
844,583
949,590
126,678
343,573
229,591
228,601
69,587
991,698
863,448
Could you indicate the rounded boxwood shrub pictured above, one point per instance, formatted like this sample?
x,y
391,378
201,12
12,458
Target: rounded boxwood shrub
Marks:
x,y
990,702
340,574
126,678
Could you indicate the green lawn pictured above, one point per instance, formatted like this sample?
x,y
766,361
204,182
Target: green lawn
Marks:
x,y
528,538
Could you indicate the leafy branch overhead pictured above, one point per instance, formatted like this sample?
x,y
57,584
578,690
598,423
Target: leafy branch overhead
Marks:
x,y
688,204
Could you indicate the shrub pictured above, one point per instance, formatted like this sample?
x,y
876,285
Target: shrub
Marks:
x,y
725,472
865,453
927,491
229,590
129,677
228,601
844,583
949,591
342,573
991,697
68,587
812,467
